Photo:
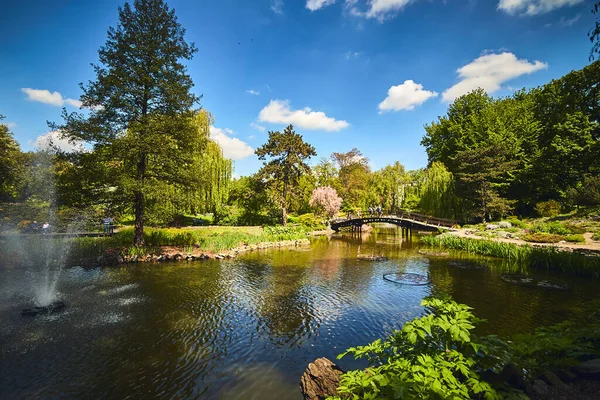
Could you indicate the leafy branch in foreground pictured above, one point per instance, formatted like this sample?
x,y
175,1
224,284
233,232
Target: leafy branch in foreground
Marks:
x,y
434,356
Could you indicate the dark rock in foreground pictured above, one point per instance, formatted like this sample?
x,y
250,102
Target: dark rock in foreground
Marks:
x,y
320,379
49,309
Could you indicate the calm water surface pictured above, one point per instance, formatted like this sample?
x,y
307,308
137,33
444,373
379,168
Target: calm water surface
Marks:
x,y
244,328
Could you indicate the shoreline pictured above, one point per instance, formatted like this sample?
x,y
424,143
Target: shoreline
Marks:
x,y
590,247
118,256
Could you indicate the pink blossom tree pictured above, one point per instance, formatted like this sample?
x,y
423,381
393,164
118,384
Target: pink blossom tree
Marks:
x,y
325,199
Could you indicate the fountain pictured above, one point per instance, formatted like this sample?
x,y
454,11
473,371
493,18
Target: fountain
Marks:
x,y
51,308
40,255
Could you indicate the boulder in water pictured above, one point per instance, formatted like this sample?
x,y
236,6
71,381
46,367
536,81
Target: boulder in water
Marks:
x,y
49,309
320,379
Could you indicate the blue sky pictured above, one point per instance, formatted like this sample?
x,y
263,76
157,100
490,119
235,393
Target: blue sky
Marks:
x,y
347,73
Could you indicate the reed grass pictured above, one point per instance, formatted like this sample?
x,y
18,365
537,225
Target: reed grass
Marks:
x,y
547,258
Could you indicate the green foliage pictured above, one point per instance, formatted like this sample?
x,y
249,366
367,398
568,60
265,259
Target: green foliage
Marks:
x,y
140,106
541,237
586,193
550,208
596,236
354,176
11,164
559,346
206,239
283,171
437,191
548,137
435,356
575,238
555,227
311,222
517,222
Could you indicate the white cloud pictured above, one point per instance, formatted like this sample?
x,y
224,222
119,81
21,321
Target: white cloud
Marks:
x,y
233,148
533,7
314,5
10,125
277,6
405,97
489,72
230,131
258,127
253,92
47,97
381,9
378,9
279,112
566,22
54,140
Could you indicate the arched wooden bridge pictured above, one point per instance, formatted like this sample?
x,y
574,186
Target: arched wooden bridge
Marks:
x,y
406,220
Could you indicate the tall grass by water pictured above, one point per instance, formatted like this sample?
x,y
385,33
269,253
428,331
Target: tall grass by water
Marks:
x,y
210,239
548,258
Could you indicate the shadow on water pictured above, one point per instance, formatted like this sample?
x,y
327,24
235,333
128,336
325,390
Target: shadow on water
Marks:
x,y
244,328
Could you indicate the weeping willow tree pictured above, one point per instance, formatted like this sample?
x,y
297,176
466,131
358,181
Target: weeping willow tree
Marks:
x,y
436,188
202,183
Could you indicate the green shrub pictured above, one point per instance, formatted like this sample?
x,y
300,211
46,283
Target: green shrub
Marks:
x,y
576,238
541,237
555,227
596,236
550,208
311,222
573,228
517,223
434,356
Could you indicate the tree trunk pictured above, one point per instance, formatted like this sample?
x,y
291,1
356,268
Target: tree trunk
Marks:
x,y
284,206
138,236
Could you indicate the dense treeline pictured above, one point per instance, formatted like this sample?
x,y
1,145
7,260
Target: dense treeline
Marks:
x,y
535,151
509,154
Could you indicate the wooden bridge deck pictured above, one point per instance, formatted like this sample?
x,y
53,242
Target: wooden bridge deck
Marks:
x,y
408,220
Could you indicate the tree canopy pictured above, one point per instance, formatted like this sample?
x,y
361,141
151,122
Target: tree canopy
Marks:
x,y
287,152
140,103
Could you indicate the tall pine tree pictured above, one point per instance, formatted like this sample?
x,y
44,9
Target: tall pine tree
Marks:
x,y
141,98
288,152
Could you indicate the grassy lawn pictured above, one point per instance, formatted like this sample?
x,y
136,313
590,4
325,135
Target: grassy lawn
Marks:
x,y
208,239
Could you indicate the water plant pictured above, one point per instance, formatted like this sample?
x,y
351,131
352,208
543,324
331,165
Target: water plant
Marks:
x,y
548,258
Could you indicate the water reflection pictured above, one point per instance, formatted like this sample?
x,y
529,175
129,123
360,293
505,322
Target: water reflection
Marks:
x,y
243,328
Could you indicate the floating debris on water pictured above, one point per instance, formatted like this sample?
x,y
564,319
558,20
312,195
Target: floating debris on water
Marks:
x,y
406,278
529,281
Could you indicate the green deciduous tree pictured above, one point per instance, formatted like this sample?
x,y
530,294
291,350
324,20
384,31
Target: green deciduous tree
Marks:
x,y
11,164
140,104
354,176
287,152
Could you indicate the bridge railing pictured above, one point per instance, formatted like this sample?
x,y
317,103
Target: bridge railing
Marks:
x,y
428,219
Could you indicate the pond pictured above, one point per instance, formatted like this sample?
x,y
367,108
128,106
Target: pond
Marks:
x,y
245,328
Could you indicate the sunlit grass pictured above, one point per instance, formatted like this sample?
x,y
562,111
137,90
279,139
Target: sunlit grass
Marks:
x,y
212,239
